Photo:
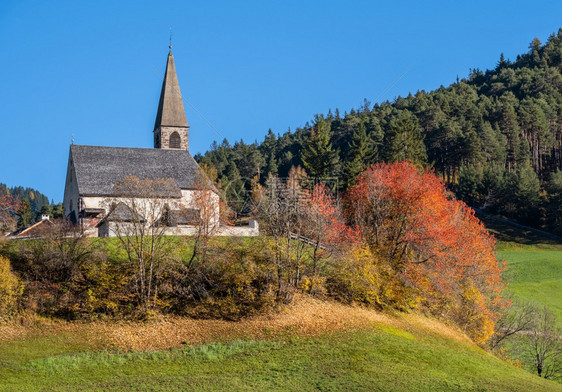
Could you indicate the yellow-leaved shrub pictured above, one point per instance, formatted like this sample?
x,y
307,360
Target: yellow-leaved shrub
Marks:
x,y
11,289
357,278
473,315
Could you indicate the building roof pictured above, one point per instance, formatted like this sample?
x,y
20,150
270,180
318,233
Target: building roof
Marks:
x,y
97,168
122,213
35,229
185,216
170,108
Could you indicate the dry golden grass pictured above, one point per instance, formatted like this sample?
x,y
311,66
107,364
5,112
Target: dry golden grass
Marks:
x,y
11,332
306,316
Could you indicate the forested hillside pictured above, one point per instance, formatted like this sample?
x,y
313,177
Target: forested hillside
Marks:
x,y
33,204
35,198
495,137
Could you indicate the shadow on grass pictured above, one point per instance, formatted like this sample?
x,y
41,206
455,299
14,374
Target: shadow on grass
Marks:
x,y
506,231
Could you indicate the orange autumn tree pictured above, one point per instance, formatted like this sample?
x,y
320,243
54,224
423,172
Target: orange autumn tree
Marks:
x,y
438,253
9,205
324,225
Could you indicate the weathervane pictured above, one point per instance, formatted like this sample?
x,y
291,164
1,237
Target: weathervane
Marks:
x,y
72,139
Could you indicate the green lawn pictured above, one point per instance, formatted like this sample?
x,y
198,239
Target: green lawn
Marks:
x,y
534,263
535,275
379,359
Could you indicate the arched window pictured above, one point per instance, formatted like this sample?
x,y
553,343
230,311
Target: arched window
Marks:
x,y
175,140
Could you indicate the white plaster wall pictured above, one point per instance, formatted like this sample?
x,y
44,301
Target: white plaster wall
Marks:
x,y
186,201
108,230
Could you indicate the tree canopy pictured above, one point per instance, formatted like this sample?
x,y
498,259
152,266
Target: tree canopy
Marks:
x,y
494,137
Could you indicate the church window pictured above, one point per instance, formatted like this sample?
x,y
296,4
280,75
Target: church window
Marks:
x,y
175,140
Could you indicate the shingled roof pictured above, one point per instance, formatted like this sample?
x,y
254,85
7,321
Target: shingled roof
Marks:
x,y
99,168
170,108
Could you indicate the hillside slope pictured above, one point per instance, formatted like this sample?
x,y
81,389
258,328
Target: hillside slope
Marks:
x,y
312,345
534,263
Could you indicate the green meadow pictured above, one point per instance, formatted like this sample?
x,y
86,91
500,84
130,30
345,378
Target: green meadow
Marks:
x,y
535,275
380,358
534,264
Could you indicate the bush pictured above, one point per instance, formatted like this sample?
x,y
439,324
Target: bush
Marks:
x,y
356,278
362,277
11,289
236,281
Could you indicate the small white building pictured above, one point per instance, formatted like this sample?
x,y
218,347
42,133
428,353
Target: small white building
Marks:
x,y
94,171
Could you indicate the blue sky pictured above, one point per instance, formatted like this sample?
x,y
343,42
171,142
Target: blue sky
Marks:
x,y
94,69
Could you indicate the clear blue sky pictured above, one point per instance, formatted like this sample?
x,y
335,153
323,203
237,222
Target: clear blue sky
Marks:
x,y
94,69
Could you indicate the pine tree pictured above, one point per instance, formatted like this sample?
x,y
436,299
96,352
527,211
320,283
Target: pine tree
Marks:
x,y
405,141
24,214
555,200
361,151
58,211
233,187
319,157
272,168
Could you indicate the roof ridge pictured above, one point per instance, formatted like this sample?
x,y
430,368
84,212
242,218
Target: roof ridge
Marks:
x,y
129,148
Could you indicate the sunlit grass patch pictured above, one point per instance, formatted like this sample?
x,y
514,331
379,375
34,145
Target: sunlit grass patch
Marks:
x,y
391,330
535,276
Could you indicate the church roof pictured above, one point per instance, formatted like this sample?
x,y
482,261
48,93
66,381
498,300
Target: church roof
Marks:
x,y
97,169
170,108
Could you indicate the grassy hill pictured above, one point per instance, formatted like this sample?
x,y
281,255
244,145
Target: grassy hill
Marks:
x,y
535,275
313,345
309,345
534,263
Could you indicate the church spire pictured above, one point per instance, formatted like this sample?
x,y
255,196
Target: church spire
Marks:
x,y
170,107
170,127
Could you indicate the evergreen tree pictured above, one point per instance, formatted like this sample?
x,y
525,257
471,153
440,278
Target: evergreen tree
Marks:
x,y
25,214
58,211
271,168
361,151
467,187
319,157
233,187
405,141
555,201
525,194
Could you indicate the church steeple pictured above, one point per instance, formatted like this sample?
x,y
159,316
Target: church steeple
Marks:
x,y
171,130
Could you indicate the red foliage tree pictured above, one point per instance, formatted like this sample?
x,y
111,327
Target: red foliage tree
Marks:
x,y
324,224
9,205
433,243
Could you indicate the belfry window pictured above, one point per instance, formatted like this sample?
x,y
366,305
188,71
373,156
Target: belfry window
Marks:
x,y
175,140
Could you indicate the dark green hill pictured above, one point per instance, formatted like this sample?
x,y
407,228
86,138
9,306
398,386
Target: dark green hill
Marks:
x,y
495,137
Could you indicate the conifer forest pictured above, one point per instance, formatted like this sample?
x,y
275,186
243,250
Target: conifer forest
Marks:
x,y
494,137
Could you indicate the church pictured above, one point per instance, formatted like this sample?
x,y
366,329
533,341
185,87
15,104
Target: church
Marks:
x,y
94,171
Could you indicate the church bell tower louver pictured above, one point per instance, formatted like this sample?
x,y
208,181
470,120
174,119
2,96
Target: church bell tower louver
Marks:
x,y
171,130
